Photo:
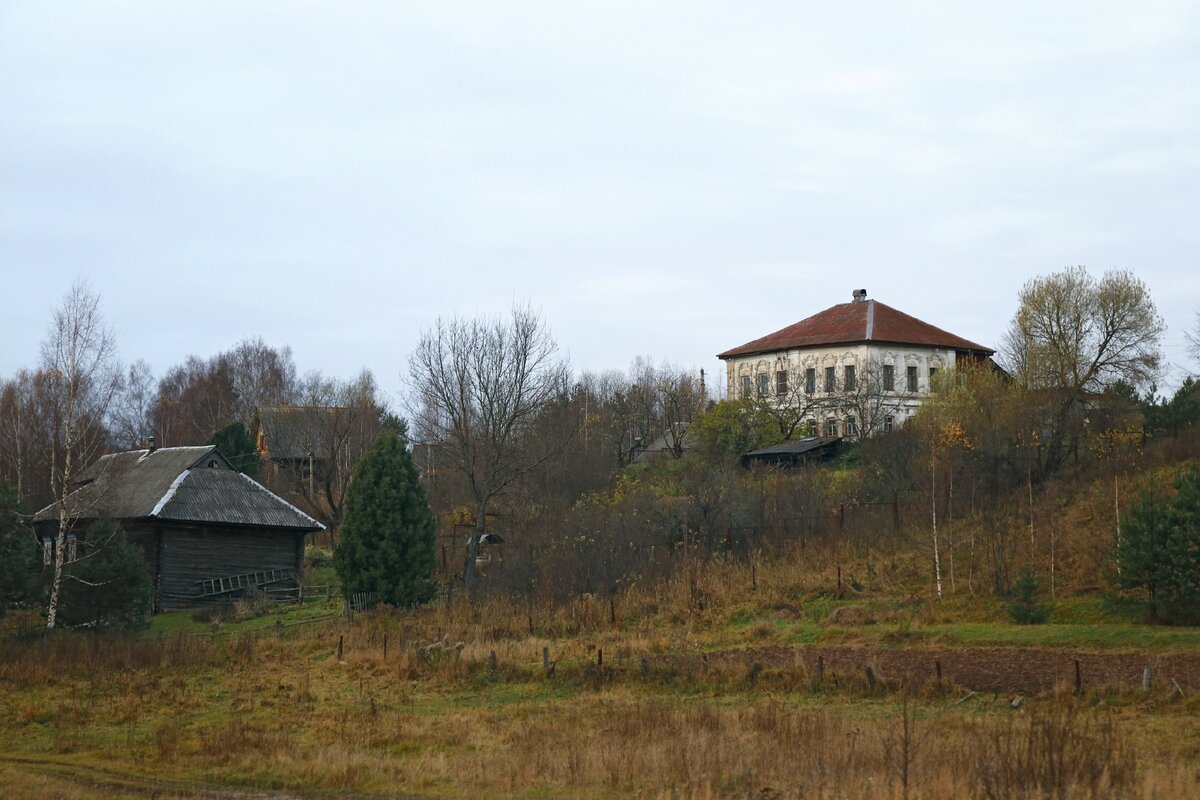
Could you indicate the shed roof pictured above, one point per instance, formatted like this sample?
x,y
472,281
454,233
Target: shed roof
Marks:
x,y
796,447
185,484
855,322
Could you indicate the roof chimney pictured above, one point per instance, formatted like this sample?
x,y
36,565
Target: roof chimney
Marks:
x,y
151,445
860,295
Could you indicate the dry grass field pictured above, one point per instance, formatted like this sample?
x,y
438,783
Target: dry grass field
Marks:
x,y
703,687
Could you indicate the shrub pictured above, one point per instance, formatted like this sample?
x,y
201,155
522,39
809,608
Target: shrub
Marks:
x,y
1025,608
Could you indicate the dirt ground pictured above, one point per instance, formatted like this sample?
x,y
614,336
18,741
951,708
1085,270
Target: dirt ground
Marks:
x,y
996,669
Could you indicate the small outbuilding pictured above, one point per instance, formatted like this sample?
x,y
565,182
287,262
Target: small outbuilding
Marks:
x,y
795,453
209,532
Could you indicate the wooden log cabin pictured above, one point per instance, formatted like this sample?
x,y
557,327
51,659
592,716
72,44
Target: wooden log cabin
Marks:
x,y
209,533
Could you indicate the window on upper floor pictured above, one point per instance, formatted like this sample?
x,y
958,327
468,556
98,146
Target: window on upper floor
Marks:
x,y
889,378
810,381
781,382
850,378
764,384
830,379
745,387
933,371
911,376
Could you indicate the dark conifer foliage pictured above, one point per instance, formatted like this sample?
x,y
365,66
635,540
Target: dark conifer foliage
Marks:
x,y
20,555
388,539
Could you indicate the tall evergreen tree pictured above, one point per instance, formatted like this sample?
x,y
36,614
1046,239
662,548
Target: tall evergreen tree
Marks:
x,y
388,539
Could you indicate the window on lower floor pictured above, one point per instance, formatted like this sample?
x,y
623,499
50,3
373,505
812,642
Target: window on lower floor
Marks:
x,y
831,427
812,427
851,426
888,424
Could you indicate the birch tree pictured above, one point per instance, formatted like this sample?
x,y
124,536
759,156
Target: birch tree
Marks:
x,y
79,356
476,389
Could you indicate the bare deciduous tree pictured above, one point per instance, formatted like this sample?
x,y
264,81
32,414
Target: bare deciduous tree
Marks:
x,y
1193,339
476,389
130,419
79,355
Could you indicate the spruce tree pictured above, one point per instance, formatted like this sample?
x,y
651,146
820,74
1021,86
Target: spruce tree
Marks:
x,y
388,539
1159,550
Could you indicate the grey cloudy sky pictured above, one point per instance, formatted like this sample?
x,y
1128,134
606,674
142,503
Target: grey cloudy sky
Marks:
x,y
661,179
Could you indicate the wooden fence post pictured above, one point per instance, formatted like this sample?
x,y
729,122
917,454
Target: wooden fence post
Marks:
x,y
1078,678
341,638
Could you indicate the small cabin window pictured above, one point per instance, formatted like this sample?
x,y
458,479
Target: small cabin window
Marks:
x,y
212,464
72,548
47,550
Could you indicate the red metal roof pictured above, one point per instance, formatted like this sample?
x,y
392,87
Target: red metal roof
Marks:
x,y
855,322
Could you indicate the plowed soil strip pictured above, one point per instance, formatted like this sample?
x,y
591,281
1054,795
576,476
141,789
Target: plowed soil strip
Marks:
x,y
992,669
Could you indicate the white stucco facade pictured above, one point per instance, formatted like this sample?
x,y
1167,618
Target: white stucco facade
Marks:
x,y
911,370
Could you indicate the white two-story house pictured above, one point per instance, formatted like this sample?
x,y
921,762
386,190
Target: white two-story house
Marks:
x,y
853,369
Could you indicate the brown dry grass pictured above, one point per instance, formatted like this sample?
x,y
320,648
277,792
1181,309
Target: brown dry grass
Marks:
x,y
437,719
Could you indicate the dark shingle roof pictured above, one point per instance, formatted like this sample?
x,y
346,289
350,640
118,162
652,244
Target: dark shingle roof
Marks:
x,y
797,447
861,321
186,484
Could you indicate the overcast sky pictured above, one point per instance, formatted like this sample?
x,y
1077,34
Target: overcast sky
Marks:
x,y
660,179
